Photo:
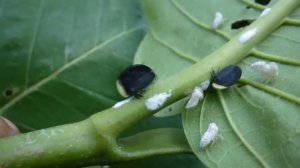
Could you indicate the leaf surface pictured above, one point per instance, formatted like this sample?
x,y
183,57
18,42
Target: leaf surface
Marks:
x,y
60,59
257,119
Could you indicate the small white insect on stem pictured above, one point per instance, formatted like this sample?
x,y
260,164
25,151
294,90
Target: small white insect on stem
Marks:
x,y
269,69
247,35
210,135
195,97
265,12
156,101
197,94
121,103
218,20
204,85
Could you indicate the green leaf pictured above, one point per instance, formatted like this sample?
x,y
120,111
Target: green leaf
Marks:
x,y
252,129
60,59
178,161
153,142
154,123
257,120
159,140
70,29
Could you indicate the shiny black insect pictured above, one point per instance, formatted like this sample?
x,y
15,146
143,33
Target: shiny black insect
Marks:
x,y
227,77
241,23
133,80
263,2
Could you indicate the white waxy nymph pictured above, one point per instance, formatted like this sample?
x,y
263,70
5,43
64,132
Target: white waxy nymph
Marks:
x,y
218,20
204,85
195,97
270,69
247,35
265,12
210,135
197,94
156,101
121,103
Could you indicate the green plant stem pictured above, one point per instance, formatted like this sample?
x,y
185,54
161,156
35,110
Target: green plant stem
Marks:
x,y
94,140
60,146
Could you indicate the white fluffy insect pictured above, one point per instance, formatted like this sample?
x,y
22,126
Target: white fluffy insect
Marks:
x,y
247,35
204,85
218,20
156,101
265,12
269,69
195,97
210,135
121,103
197,94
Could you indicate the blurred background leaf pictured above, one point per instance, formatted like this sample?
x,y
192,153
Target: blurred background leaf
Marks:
x,y
60,59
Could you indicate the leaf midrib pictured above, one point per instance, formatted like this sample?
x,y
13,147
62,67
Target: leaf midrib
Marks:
x,y
64,67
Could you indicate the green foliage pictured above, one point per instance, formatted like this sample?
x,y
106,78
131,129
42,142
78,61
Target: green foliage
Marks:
x,y
60,59
257,127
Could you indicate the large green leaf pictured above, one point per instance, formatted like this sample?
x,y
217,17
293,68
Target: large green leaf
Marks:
x,y
60,59
259,122
98,38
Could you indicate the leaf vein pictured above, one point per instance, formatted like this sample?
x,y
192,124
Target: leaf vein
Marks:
x,y
98,18
255,52
248,100
285,159
287,20
83,89
199,23
33,43
274,150
60,101
271,90
66,66
227,152
284,38
259,54
292,22
25,126
70,32
176,51
201,118
238,134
